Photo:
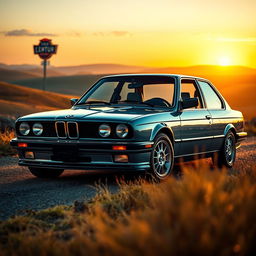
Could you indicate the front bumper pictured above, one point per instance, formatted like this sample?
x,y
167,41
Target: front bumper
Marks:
x,y
85,155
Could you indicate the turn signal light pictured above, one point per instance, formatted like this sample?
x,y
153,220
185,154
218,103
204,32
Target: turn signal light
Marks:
x,y
148,146
119,147
22,145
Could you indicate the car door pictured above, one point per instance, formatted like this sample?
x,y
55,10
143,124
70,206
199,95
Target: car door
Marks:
x,y
216,107
196,135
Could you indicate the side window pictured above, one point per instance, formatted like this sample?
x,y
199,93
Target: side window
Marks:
x,y
189,90
212,99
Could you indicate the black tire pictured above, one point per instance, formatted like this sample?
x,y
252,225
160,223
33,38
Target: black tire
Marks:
x,y
162,157
227,156
45,172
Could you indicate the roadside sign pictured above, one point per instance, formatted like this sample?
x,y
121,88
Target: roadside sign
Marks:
x,y
45,49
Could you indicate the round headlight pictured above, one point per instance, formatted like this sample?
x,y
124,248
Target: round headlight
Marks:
x,y
104,130
122,130
24,128
37,129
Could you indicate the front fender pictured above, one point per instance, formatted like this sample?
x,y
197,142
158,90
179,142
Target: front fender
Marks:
x,y
161,127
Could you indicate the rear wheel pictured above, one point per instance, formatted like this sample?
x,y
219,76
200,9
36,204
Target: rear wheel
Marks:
x,y
162,157
45,172
227,155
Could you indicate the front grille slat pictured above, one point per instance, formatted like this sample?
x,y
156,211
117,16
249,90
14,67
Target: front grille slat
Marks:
x,y
61,129
72,128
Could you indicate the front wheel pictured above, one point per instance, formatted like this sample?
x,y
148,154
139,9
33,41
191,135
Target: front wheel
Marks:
x,y
227,155
45,172
162,157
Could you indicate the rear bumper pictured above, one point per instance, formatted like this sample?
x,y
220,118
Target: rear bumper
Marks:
x,y
240,137
87,155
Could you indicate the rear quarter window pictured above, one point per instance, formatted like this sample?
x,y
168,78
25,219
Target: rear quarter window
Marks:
x,y
211,98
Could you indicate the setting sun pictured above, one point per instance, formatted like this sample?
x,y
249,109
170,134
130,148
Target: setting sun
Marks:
x,y
224,61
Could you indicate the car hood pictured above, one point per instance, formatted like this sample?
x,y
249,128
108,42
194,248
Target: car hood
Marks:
x,y
124,113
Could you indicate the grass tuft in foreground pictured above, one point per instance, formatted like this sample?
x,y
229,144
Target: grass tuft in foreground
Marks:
x,y
5,147
202,213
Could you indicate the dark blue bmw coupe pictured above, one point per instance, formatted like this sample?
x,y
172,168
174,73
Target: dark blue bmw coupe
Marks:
x,y
132,122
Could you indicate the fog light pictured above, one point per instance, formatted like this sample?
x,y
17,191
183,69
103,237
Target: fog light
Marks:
x,y
121,158
29,155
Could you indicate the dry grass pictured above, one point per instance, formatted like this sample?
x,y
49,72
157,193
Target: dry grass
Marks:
x,y
204,212
5,147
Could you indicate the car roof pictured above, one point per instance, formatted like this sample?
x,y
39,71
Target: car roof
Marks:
x,y
160,74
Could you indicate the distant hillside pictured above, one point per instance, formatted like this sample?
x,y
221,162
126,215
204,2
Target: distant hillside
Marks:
x,y
18,100
213,73
38,71
98,69
202,69
71,85
8,75
74,70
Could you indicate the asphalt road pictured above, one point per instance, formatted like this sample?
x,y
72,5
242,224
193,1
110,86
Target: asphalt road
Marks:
x,y
20,190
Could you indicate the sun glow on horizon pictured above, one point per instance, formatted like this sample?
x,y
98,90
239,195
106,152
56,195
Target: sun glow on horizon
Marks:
x,y
224,61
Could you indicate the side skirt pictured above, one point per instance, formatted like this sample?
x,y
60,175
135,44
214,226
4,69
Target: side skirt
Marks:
x,y
195,156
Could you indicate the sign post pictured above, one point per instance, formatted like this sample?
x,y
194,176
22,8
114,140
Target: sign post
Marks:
x,y
45,50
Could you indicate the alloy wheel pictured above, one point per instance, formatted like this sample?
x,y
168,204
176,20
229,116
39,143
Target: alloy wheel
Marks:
x,y
162,158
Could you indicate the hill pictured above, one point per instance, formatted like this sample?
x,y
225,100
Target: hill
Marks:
x,y
71,70
71,85
7,75
98,69
10,75
38,71
18,100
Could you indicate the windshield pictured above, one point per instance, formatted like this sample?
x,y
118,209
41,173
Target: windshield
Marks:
x,y
149,90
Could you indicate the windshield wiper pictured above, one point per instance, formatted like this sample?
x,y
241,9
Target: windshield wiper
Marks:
x,y
94,102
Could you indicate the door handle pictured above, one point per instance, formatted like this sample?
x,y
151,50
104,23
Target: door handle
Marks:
x,y
208,117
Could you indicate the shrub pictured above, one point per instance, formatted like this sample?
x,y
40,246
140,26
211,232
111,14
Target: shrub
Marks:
x,y
5,147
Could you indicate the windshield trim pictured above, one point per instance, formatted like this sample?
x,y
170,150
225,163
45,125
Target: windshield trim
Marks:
x,y
126,78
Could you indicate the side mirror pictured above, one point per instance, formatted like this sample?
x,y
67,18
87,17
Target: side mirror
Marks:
x,y
73,101
189,103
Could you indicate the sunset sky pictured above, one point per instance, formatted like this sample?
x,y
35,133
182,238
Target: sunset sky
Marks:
x,y
135,32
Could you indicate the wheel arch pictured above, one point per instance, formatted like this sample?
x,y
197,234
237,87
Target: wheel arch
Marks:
x,y
230,127
162,128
